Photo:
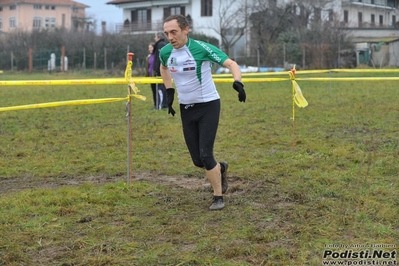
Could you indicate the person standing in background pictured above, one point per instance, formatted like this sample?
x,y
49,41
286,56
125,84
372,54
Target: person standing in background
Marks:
x,y
149,66
159,43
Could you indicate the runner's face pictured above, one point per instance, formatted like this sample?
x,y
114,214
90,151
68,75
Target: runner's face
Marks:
x,y
176,36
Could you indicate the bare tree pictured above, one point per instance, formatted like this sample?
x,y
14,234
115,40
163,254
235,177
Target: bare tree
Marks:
x,y
295,29
231,22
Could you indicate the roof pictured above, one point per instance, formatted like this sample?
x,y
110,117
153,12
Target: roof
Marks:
x,y
79,4
375,39
50,2
116,2
132,3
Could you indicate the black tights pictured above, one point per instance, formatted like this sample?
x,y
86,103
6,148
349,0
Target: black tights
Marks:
x,y
200,123
154,94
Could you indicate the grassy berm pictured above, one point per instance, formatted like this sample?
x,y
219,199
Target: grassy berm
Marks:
x,y
328,181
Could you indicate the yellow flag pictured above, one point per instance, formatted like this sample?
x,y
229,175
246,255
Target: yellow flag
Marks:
x,y
298,96
130,81
296,90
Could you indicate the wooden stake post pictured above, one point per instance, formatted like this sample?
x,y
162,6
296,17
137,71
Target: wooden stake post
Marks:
x,y
129,120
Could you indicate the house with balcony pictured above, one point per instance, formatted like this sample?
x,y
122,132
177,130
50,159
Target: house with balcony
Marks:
x,y
367,21
147,16
374,27
31,15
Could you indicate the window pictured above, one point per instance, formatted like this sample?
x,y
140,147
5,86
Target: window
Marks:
x,y
317,14
13,23
49,22
142,18
360,19
393,20
75,10
330,15
52,7
206,8
47,7
391,3
1,24
177,10
381,21
294,9
346,16
167,11
37,6
372,19
37,22
1,8
13,7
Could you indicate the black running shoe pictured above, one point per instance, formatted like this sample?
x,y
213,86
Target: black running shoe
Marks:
x,y
217,204
225,186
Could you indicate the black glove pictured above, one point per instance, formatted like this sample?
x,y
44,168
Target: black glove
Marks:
x,y
239,87
170,94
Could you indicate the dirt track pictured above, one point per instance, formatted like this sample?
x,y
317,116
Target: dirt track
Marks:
x,y
21,183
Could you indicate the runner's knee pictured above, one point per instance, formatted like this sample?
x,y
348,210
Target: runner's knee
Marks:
x,y
208,161
198,163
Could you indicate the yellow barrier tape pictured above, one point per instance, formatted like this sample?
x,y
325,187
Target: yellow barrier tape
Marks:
x,y
228,80
113,81
338,70
351,79
62,103
146,80
139,96
298,98
271,73
387,70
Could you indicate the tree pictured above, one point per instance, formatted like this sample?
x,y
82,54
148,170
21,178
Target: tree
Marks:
x,y
232,22
289,32
268,22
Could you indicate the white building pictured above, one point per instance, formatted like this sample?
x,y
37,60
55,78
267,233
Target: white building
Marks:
x,y
148,15
365,20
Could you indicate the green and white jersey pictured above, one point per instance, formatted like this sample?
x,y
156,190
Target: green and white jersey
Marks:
x,y
190,68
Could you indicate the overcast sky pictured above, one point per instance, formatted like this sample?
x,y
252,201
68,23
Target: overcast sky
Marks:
x,y
100,11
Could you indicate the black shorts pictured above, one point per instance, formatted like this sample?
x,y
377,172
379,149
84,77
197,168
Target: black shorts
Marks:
x,y
200,123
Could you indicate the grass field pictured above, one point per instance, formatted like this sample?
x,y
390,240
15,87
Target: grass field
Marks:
x,y
331,186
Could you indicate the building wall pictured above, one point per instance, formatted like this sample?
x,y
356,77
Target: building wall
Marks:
x,y
25,13
367,9
380,57
202,24
394,54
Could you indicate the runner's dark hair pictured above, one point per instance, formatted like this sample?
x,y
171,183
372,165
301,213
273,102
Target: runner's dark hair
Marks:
x,y
181,20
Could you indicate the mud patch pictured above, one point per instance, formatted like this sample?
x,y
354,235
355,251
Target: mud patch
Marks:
x,y
8,185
